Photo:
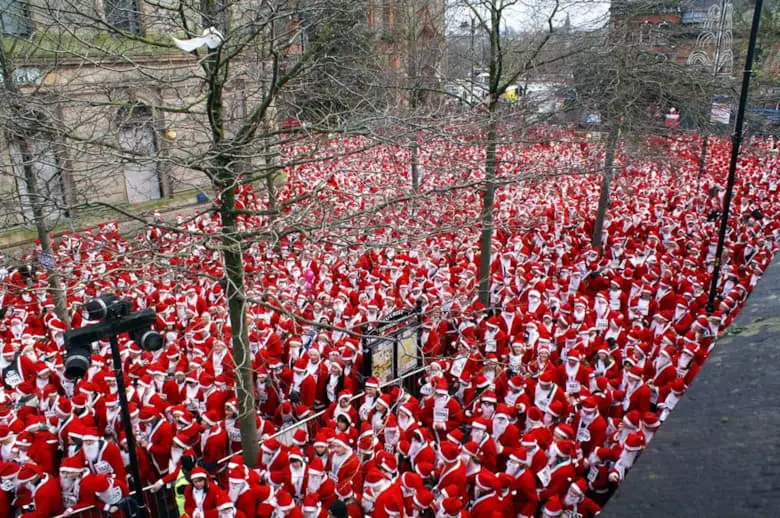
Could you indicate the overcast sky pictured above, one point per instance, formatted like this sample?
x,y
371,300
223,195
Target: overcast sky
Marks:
x,y
525,15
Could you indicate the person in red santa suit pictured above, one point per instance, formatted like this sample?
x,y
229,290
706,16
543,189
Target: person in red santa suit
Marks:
x,y
102,491
156,437
486,447
285,506
572,375
43,490
273,456
267,395
345,466
420,448
295,475
213,442
486,500
559,472
638,393
494,340
194,302
590,427
525,499
15,367
319,484
441,411
243,494
201,497
547,391
312,507
387,495
452,471
342,406
303,384
369,399
504,432
626,456
577,502
661,373
452,508
102,456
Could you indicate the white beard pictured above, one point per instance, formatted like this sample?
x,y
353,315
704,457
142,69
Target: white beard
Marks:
x,y
313,484
235,491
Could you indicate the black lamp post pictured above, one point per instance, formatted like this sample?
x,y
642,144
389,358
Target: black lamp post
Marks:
x,y
736,141
116,317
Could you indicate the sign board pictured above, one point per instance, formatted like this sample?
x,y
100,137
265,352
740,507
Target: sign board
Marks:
x,y
721,110
382,356
46,260
407,352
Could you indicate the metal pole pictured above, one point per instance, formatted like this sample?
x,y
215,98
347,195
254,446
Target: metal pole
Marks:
x,y
736,141
128,426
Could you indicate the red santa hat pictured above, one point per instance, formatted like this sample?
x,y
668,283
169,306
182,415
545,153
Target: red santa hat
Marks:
x,y
341,439
448,452
553,506
271,445
452,506
28,472
198,472
284,501
72,464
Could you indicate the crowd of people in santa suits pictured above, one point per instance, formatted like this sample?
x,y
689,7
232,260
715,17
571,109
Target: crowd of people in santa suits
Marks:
x,y
537,405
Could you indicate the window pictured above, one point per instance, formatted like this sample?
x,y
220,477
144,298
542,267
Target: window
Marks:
x,y
123,14
138,140
48,176
15,18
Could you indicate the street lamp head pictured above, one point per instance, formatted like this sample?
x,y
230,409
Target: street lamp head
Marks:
x,y
107,306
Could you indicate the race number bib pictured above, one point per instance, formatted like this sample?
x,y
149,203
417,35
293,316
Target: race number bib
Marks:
x,y
490,346
103,467
544,476
457,367
441,415
593,474
601,323
583,435
12,378
111,496
572,387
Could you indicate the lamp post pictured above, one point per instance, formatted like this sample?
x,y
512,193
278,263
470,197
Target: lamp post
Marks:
x,y
736,141
115,317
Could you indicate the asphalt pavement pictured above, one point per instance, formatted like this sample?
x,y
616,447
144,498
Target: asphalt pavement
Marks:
x,y
718,454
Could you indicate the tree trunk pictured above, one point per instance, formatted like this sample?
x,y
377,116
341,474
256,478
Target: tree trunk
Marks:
x,y
606,181
39,219
486,218
415,168
234,275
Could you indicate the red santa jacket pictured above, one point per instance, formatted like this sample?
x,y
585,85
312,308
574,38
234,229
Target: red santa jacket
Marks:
x,y
160,441
214,446
46,499
109,461
526,499
208,504
486,505
454,474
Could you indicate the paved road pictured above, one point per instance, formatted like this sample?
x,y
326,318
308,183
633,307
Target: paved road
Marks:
x,y
718,455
